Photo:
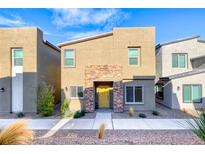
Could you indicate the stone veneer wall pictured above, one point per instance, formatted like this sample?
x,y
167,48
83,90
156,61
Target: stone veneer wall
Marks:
x,y
103,73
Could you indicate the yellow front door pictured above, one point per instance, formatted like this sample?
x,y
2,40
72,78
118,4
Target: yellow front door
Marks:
x,y
103,96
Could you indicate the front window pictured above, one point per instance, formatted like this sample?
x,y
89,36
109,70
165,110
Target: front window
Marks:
x,y
69,58
133,55
18,57
192,93
179,60
133,95
76,91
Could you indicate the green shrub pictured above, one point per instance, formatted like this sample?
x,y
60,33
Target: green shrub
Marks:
x,y
82,113
79,114
64,107
142,115
198,127
45,100
155,113
68,114
20,115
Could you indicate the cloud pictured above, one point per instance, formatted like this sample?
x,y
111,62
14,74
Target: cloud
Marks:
x,y
86,22
74,35
78,17
11,21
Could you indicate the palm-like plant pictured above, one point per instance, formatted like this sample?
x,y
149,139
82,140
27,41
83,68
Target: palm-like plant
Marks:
x,y
101,131
16,134
131,112
198,127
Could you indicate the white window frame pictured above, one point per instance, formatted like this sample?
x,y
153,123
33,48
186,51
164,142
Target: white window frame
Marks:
x,y
186,60
74,59
133,86
139,49
76,92
13,57
191,85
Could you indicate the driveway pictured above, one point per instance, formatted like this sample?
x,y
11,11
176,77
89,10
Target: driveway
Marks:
x,y
116,124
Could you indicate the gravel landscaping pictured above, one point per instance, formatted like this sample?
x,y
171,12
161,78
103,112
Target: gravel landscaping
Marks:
x,y
130,137
164,113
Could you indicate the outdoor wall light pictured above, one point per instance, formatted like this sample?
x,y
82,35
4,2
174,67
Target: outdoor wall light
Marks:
x,y
178,88
66,88
2,90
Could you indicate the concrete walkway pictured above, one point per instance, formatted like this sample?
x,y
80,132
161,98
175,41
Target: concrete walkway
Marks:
x,y
116,124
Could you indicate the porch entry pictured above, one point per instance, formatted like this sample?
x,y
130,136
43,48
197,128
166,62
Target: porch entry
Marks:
x,y
17,80
103,95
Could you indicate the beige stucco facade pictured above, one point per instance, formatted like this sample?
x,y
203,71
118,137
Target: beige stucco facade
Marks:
x,y
177,77
109,51
41,62
192,48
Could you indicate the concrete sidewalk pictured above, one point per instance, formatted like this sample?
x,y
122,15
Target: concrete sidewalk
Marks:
x,y
116,124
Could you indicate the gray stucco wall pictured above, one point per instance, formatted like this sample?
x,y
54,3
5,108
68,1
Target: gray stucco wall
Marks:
x,y
48,66
158,64
167,95
5,98
149,96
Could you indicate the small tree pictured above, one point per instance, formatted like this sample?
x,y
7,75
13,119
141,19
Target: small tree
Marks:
x,y
46,100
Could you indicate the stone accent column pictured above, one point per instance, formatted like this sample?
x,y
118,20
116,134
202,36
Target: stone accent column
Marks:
x,y
118,105
103,73
89,99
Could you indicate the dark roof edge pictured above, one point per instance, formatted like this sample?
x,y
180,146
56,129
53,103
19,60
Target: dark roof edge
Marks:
x,y
176,41
185,74
83,39
141,78
51,45
202,41
197,57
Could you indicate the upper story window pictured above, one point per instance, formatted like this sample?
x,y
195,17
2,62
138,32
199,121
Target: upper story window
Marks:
x,y
76,92
134,56
179,60
69,58
18,57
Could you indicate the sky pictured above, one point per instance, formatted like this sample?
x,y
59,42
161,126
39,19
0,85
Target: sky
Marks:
x,y
61,25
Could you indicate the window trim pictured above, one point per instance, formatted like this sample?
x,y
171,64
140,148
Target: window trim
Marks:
x,y
76,98
13,57
186,60
132,103
191,101
74,59
138,57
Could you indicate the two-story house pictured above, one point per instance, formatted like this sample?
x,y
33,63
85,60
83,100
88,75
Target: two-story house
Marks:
x,y
180,73
113,70
26,60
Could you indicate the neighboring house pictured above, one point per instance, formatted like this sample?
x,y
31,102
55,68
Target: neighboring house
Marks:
x,y
180,69
114,70
26,61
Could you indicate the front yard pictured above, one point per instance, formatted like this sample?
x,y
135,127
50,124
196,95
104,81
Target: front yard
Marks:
x,y
173,137
164,113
